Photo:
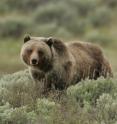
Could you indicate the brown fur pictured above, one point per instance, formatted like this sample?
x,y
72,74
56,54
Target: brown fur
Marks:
x,y
64,64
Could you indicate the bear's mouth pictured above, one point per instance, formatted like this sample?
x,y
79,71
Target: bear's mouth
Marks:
x,y
34,65
44,65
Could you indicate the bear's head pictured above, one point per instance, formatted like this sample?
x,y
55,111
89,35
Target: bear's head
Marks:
x,y
36,52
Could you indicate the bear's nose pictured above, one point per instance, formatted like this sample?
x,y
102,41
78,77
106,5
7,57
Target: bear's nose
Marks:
x,y
34,62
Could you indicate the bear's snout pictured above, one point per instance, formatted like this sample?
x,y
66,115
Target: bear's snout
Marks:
x,y
34,58
34,62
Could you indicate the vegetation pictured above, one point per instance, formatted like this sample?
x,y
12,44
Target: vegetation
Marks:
x,y
88,102
63,18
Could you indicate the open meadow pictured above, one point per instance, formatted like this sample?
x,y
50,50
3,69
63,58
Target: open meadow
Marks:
x,y
89,101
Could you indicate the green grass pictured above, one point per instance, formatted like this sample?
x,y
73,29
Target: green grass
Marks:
x,y
110,53
10,56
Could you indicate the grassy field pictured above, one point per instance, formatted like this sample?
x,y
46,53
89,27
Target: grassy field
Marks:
x,y
10,56
89,101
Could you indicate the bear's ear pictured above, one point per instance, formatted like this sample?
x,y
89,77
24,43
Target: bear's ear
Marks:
x,y
50,41
27,38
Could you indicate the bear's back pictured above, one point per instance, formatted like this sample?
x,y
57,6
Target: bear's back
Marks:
x,y
86,51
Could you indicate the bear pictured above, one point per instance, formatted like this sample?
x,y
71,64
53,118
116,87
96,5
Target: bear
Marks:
x,y
58,64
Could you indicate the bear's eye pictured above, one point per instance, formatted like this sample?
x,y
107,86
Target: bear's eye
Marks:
x,y
29,50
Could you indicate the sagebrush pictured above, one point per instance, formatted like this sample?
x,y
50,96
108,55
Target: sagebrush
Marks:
x,y
88,102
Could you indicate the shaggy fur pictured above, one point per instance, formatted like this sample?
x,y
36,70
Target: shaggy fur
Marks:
x,y
62,64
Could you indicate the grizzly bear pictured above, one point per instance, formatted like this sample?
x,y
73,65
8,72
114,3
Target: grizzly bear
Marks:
x,y
53,62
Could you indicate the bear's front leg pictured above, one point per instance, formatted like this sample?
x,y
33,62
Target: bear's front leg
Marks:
x,y
39,82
